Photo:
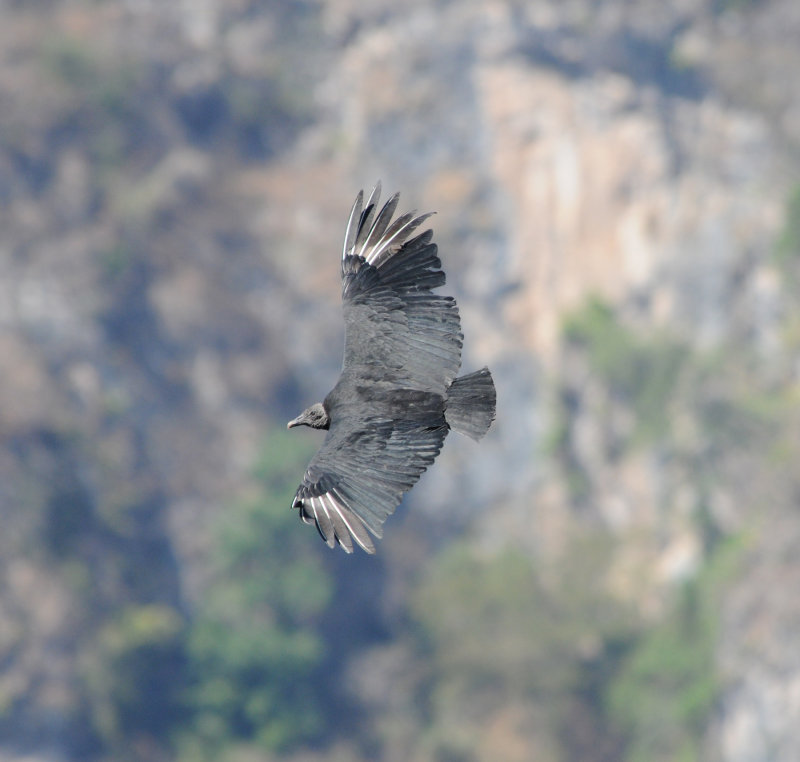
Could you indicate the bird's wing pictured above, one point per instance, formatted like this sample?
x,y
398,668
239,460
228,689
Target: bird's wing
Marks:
x,y
359,475
393,320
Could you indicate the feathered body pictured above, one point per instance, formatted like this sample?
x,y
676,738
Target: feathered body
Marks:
x,y
398,395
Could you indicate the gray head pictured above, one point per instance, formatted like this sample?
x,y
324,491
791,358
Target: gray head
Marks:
x,y
314,416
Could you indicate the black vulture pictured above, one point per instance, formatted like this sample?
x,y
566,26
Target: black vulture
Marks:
x,y
397,395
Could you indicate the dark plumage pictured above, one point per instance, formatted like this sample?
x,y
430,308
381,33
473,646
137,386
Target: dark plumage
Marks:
x,y
398,394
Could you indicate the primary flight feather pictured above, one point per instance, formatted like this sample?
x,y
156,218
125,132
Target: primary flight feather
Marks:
x,y
397,396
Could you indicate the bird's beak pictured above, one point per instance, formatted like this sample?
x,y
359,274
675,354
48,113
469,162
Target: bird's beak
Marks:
x,y
295,422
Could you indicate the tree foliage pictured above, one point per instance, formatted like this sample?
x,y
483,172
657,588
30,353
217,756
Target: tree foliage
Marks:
x,y
504,633
639,370
665,692
254,645
134,675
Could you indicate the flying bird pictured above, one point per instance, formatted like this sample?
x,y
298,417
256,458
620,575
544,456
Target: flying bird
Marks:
x,y
398,395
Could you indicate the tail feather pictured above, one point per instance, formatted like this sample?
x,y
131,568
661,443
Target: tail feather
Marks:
x,y
471,403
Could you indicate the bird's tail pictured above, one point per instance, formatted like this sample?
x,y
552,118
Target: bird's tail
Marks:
x,y
471,404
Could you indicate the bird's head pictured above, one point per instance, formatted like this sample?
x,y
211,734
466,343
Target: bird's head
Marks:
x,y
315,416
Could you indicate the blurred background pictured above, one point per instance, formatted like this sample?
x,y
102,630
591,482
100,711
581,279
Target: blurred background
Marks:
x,y
612,575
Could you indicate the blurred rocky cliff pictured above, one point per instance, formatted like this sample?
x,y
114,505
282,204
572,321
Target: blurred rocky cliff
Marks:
x,y
611,181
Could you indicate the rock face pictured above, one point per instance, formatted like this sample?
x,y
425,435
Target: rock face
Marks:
x,y
761,702
173,185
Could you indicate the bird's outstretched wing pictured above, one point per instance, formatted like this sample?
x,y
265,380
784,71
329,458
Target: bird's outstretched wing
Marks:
x,y
359,475
392,317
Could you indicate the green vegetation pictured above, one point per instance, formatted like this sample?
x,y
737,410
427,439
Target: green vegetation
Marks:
x,y
722,423
254,646
500,630
101,97
636,382
469,600
242,668
115,261
664,693
787,251
134,673
103,81
639,371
